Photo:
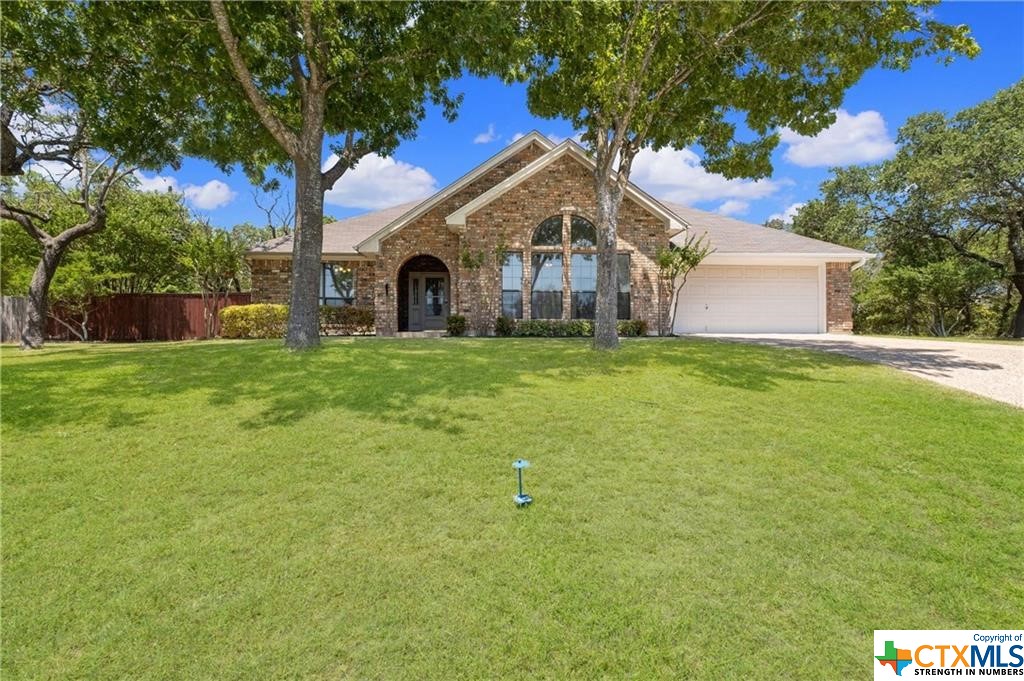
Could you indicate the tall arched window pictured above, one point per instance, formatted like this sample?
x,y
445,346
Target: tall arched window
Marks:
x,y
583,234
556,263
549,232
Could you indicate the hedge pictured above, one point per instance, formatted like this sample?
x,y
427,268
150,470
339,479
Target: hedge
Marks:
x,y
346,321
557,328
260,320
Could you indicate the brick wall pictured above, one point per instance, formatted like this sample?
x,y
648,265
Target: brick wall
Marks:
x,y
429,235
563,188
272,279
838,298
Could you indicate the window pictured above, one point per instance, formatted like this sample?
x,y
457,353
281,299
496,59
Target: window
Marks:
x,y
622,261
549,232
583,233
512,286
337,286
584,285
434,295
546,295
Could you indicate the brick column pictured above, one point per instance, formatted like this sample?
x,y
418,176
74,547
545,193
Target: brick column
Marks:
x,y
838,298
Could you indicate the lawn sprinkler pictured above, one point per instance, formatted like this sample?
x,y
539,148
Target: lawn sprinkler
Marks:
x,y
521,499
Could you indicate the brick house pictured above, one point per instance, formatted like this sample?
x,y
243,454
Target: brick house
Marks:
x,y
515,237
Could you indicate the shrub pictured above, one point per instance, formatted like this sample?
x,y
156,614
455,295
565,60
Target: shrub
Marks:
x,y
456,325
261,320
557,328
346,321
632,327
504,326
553,328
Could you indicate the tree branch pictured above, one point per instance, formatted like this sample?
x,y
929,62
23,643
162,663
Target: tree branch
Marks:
x,y
312,48
684,72
288,140
354,150
27,220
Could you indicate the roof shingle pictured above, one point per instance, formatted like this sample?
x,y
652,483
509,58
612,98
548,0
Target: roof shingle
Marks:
x,y
341,237
727,235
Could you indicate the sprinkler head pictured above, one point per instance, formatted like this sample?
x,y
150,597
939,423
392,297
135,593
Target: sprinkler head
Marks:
x,y
522,499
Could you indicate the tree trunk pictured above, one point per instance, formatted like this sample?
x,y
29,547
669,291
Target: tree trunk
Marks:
x,y
1015,241
33,333
676,290
304,311
609,198
1018,319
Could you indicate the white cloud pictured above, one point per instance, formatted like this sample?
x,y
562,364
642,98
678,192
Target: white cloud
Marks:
x,y
851,139
676,175
209,196
733,207
214,194
157,183
486,137
379,182
788,214
516,137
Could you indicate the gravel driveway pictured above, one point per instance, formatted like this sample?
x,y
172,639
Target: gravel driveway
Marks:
x,y
992,370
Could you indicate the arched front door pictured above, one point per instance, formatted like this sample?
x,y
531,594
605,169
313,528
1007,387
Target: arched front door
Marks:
x,y
424,294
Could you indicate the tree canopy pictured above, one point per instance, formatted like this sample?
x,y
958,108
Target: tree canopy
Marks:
x,y
273,83
635,75
947,213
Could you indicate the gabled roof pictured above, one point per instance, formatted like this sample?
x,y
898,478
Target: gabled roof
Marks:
x,y
360,236
342,236
457,219
371,244
735,237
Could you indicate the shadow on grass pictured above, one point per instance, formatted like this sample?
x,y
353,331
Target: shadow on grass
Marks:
x,y
928,360
386,380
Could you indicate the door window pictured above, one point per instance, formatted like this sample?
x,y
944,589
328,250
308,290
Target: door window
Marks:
x,y
434,295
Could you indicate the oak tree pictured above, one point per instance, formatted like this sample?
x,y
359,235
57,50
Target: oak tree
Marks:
x,y
634,75
308,88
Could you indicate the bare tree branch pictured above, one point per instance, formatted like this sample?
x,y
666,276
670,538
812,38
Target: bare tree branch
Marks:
x,y
26,218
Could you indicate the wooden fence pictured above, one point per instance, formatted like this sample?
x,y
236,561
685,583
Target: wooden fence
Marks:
x,y
130,317
12,315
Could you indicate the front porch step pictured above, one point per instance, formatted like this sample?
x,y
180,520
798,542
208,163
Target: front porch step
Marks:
x,y
421,334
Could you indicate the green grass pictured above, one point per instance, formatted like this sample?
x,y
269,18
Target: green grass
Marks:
x,y
703,510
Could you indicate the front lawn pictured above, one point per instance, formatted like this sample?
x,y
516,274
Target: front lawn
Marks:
x,y
703,510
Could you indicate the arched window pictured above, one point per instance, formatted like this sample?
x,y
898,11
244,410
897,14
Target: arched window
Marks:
x,y
583,233
549,232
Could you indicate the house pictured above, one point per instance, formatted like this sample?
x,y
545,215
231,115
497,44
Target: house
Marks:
x,y
515,236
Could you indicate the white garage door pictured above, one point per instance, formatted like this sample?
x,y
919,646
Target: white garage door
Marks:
x,y
749,299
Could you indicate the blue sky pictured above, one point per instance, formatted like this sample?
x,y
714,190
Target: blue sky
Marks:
x,y
493,113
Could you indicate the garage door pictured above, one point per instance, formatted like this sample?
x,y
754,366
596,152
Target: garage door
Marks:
x,y
749,299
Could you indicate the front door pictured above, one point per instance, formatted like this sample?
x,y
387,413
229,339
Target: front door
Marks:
x,y
428,300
